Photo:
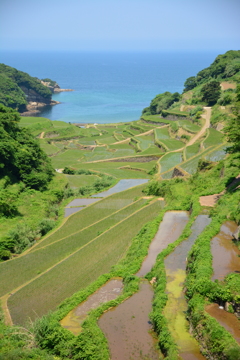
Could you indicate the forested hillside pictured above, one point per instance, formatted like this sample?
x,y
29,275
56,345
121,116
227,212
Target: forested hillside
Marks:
x,y
17,88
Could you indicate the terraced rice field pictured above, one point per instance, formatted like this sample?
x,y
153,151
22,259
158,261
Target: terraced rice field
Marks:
x,y
170,160
218,154
115,169
191,165
189,126
49,148
145,141
214,138
25,268
76,181
192,150
78,270
92,214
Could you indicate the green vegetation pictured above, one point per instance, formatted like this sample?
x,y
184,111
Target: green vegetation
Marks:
x,y
21,156
79,269
25,268
224,66
16,84
161,102
214,137
211,92
100,241
170,160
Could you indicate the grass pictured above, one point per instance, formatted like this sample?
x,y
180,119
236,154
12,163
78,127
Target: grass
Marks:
x,y
114,169
76,181
31,205
102,153
145,141
167,175
80,269
163,137
68,158
162,133
170,160
25,268
192,150
191,165
172,144
93,213
49,148
189,126
155,119
214,138
218,154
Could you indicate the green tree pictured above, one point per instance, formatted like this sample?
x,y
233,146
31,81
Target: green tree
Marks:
x,y
232,129
211,92
21,157
190,83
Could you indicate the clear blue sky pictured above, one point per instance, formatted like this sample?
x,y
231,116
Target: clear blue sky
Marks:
x,y
120,24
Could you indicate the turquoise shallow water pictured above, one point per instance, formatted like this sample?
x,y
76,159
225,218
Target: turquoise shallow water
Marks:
x,y
109,87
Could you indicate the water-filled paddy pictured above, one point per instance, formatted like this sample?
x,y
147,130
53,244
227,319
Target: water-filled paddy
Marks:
x,y
81,202
122,185
70,211
229,321
169,230
225,252
175,265
109,291
127,327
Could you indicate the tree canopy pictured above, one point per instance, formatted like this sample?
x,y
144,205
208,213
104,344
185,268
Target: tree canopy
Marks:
x,y
161,102
11,83
21,157
211,92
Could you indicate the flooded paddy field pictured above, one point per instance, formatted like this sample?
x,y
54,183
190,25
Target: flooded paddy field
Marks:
x,y
229,321
225,253
109,291
127,326
226,259
70,211
175,264
169,231
122,185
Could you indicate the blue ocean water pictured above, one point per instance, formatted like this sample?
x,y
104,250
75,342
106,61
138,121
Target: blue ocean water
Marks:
x,y
108,87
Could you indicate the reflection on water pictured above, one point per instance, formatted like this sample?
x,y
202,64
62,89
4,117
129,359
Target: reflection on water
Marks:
x,y
169,230
69,211
79,205
229,321
175,265
225,252
109,291
127,327
122,185
81,202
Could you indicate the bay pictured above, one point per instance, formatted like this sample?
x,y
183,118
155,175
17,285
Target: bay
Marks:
x,y
108,86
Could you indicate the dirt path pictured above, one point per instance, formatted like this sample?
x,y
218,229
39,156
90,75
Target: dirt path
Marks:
x,y
41,135
211,200
207,117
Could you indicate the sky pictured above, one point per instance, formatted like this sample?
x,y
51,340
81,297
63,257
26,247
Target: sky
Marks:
x,y
120,25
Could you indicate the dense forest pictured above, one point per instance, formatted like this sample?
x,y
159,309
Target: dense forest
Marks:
x,y
15,86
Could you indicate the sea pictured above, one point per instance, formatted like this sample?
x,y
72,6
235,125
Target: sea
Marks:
x,y
108,86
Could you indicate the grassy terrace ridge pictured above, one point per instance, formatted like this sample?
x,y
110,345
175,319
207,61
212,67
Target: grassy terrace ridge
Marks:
x,y
91,214
79,269
27,267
